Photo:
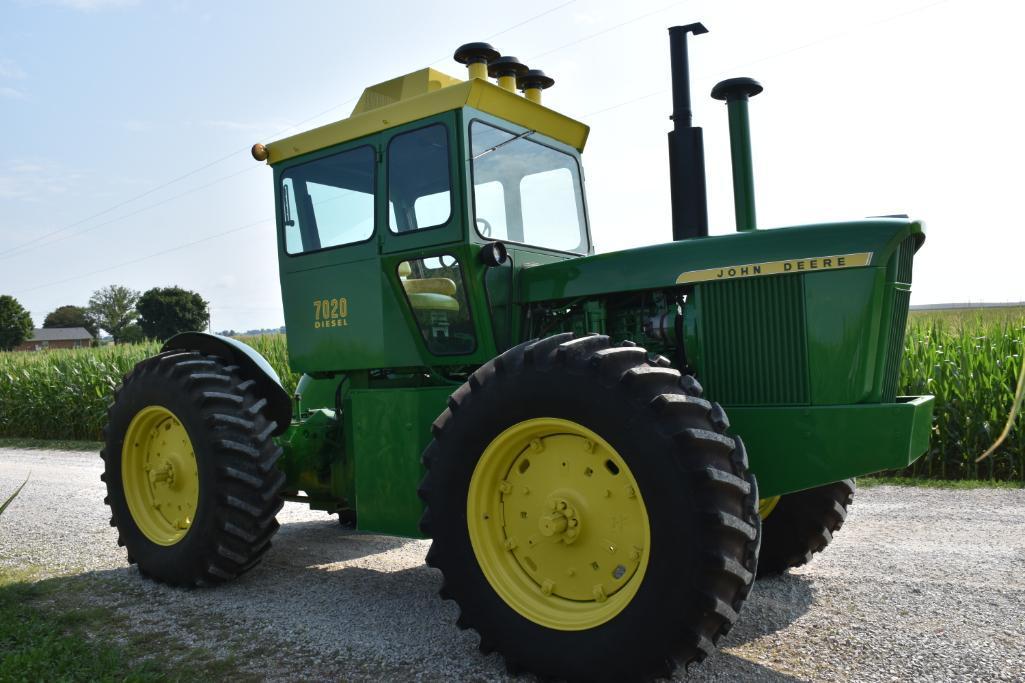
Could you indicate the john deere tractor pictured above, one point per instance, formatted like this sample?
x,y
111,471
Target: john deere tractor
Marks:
x,y
605,449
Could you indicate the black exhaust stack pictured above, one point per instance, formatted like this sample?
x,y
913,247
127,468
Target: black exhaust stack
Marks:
x,y
686,146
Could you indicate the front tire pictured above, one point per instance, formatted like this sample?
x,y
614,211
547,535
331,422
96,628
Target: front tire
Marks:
x,y
801,524
189,465
569,435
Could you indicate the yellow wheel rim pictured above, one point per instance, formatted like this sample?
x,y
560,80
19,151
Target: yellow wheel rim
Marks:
x,y
160,475
766,506
558,524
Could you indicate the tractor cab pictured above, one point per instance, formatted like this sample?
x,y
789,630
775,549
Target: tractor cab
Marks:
x,y
399,227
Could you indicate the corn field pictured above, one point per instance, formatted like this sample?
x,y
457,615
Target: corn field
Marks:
x,y
64,394
969,363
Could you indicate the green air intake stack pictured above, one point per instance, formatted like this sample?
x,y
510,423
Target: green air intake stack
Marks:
x,y
736,92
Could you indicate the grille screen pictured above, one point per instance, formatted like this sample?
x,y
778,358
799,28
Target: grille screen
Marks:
x,y
895,350
905,258
753,333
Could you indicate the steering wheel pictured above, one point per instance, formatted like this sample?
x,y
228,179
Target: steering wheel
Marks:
x,y
451,263
485,228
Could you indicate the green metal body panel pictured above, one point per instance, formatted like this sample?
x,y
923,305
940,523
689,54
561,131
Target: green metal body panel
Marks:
x,y
794,448
658,266
388,429
805,361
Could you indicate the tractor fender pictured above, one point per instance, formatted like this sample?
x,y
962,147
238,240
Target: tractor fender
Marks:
x,y
253,366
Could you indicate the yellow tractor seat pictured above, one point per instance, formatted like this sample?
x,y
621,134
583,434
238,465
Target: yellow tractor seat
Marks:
x,y
425,301
429,293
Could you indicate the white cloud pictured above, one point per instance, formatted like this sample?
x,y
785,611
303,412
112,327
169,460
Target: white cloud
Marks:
x,y
92,5
136,126
12,94
8,69
246,126
39,180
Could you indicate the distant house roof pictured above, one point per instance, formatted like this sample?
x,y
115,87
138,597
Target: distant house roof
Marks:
x,y
61,334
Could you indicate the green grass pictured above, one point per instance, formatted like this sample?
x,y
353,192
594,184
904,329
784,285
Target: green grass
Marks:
x,y
50,444
971,367
969,317
959,484
64,394
44,637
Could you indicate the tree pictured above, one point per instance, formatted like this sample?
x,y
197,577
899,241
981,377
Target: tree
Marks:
x,y
132,334
113,309
166,311
15,323
71,316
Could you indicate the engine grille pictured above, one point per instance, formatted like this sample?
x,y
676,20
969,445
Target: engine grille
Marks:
x,y
755,331
905,259
905,256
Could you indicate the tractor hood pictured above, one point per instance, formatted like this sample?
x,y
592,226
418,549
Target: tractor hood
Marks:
x,y
758,253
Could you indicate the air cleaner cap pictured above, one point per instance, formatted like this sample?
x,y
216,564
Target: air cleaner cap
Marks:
x,y
506,66
736,89
534,78
476,53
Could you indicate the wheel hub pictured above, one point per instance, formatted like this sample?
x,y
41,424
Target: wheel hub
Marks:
x,y
160,475
564,533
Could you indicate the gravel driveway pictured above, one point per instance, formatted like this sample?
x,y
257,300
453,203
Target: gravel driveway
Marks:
x,y
922,584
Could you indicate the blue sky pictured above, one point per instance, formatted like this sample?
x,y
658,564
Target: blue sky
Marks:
x,y
870,108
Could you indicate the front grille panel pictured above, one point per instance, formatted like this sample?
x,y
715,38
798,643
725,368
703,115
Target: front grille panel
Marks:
x,y
905,259
895,347
753,330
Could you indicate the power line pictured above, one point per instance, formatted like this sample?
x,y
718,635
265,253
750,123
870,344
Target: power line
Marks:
x,y
230,155
607,30
127,215
247,226
827,39
21,248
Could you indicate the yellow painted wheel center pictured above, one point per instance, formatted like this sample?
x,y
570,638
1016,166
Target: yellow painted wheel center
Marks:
x,y
766,506
557,524
160,475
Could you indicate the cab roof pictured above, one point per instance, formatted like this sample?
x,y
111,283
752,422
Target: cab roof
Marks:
x,y
425,93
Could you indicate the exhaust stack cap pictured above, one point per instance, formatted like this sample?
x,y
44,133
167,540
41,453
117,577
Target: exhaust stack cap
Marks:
x,y
736,89
533,82
476,57
507,69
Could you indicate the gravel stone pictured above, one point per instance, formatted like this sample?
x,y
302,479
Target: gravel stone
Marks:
x,y
920,585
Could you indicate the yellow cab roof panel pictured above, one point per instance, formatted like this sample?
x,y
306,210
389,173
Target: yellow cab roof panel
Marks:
x,y
425,93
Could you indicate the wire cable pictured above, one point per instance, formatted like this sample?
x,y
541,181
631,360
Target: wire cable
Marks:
x,y
234,153
827,39
127,215
247,226
607,30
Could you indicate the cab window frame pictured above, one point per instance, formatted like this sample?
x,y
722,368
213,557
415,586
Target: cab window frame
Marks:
x,y
436,123
280,186
586,246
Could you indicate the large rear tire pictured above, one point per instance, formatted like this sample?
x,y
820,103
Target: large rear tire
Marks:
x,y
589,515
802,524
189,465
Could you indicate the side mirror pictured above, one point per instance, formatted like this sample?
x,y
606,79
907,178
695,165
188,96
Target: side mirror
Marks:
x,y
493,254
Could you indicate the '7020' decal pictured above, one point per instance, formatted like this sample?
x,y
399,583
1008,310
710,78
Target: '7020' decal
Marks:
x,y
330,313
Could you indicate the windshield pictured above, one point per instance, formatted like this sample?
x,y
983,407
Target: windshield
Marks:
x,y
526,192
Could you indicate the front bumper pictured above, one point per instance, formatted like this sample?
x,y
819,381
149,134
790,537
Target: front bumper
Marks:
x,y
798,447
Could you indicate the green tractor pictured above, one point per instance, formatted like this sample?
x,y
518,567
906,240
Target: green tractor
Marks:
x,y
554,419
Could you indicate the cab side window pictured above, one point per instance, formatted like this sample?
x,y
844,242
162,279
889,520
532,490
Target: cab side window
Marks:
x,y
329,202
437,296
419,186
